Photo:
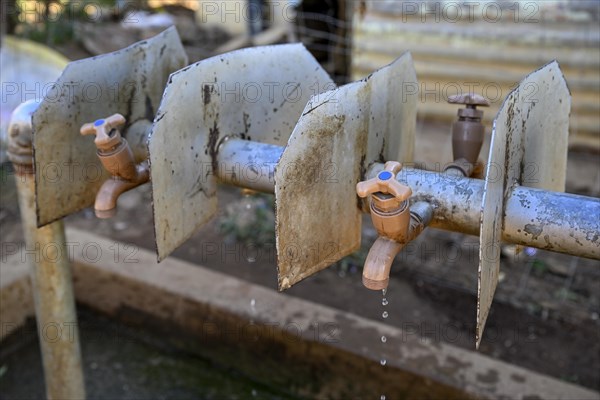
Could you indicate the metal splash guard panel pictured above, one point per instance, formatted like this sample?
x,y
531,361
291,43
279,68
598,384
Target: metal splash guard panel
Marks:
x,y
68,172
529,148
255,94
339,135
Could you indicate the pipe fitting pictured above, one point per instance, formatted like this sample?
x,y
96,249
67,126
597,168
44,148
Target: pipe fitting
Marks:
x,y
468,131
20,137
461,168
389,202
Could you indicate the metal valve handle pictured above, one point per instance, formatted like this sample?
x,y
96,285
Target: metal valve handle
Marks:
x,y
469,99
113,150
107,135
385,182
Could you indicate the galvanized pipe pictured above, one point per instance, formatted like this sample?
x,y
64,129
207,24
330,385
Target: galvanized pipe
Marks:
x,y
456,200
248,164
560,222
50,273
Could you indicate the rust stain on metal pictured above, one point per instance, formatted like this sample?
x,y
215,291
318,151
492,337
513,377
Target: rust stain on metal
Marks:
x,y
529,148
195,118
206,90
211,146
534,230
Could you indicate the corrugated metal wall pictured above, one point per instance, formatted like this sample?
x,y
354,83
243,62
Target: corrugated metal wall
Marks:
x,y
487,47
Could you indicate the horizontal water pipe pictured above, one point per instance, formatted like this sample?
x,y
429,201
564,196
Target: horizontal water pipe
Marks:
x,y
555,221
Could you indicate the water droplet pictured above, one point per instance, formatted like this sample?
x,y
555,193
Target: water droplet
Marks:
x,y
248,206
120,226
384,302
88,214
251,259
253,303
383,339
382,397
384,291
254,393
385,314
383,361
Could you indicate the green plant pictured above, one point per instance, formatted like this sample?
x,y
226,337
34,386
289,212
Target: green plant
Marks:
x,y
250,220
54,24
539,267
566,294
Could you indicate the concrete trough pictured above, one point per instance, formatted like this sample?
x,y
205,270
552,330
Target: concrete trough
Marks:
x,y
305,348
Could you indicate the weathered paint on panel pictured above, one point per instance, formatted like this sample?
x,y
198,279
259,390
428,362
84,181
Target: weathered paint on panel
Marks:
x,y
254,94
339,135
131,81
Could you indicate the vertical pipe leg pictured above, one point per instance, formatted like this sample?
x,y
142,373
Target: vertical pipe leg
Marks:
x,y
50,276
54,300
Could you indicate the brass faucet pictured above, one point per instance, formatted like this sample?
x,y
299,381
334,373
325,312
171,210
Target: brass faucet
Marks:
x,y
467,132
390,213
116,156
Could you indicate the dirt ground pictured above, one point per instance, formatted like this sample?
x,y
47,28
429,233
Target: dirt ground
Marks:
x,y
546,311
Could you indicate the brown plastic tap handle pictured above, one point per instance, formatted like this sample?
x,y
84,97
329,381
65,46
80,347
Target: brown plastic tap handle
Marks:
x,y
385,182
107,135
469,99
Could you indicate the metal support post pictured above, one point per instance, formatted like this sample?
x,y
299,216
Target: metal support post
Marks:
x,y
50,273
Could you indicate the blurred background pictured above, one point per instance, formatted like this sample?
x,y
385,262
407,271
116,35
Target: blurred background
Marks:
x,y
485,46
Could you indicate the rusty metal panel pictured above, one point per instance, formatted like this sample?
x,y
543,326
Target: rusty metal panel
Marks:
x,y
68,173
255,94
339,135
529,148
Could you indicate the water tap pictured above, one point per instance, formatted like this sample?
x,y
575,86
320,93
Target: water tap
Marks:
x,y
117,157
390,213
467,131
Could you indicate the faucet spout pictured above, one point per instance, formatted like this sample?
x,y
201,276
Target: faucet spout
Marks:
x,y
118,159
376,272
106,199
